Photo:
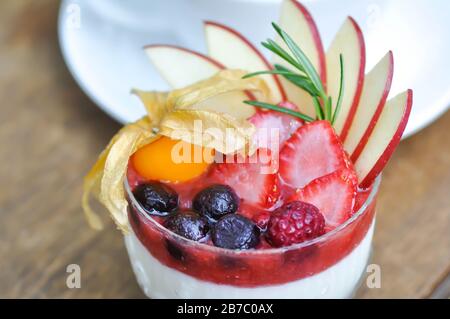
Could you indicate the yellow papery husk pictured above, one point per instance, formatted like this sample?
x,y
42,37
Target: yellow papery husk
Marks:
x,y
182,108
154,103
223,82
210,129
105,180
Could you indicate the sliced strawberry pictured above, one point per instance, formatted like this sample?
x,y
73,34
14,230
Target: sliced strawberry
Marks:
x,y
274,127
254,178
314,150
333,194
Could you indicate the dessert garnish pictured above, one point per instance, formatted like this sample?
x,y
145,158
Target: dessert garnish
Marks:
x,y
335,133
235,232
216,201
156,198
295,222
188,224
306,78
170,115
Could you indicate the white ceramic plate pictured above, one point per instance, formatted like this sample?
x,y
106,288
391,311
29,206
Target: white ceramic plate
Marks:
x,y
101,42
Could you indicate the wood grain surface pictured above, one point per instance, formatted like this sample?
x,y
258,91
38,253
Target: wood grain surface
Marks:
x,y
50,134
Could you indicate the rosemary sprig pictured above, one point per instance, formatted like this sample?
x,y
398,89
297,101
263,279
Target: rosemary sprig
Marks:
x,y
305,77
319,112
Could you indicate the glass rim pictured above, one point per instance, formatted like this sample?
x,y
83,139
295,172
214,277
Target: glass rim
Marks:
x,y
253,251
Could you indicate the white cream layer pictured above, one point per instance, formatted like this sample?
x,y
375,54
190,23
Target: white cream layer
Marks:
x,y
160,281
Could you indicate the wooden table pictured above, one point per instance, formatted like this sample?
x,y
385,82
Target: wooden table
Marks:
x,y
50,134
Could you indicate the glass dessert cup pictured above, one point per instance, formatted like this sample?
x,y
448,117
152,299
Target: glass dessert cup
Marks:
x,y
311,201
330,266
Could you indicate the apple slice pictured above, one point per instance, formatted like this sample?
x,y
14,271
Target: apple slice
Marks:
x,y
349,42
299,24
377,84
234,51
182,67
384,138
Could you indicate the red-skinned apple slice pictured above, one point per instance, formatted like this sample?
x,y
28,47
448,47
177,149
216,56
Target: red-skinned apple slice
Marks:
x,y
349,42
299,24
244,55
384,138
181,67
377,84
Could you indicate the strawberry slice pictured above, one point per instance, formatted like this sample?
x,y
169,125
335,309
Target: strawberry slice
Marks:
x,y
276,125
333,195
254,178
313,151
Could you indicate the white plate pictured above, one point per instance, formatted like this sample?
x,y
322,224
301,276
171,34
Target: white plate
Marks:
x,y
101,42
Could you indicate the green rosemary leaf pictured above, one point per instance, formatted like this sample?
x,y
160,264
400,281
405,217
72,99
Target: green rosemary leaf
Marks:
x,y
302,59
318,108
297,79
328,109
280,109
341,90
303,76
275,48
278,72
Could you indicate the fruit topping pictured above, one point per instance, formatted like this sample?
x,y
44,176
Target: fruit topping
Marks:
x,y
313,151
235,232
188,224
156,198
377,85
216,201
333,195
175,250
295,222
299,24
384,138
171,160
273,127
244,56
254,178
348,43
181,67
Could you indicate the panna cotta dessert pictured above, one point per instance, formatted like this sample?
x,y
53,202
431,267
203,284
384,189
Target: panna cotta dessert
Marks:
x,y
251,179
168,266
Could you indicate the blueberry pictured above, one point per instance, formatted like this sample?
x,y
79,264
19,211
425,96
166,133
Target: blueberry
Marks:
x,y
235,232
216,201
156,198
175,251
188,224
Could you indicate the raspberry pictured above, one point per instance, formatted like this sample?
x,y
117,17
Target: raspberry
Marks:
x,y
293,223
